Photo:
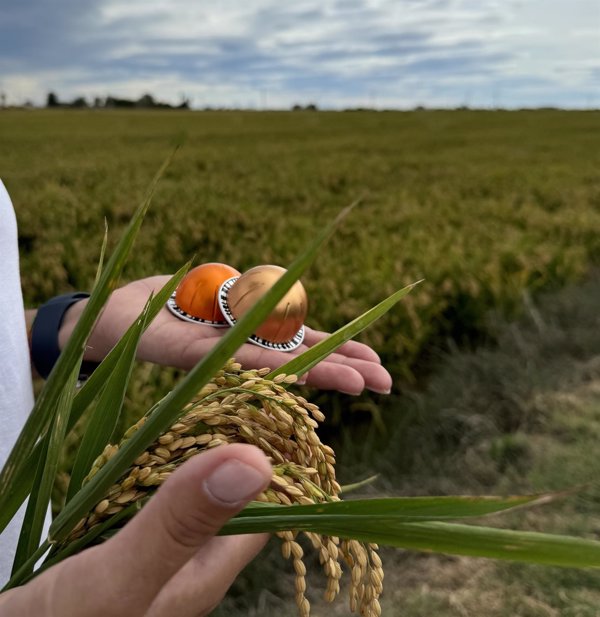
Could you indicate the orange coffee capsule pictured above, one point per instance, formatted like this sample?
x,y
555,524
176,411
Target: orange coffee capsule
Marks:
x,y
196,297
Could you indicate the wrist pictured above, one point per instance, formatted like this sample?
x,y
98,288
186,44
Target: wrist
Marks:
x,y
46,331
69,321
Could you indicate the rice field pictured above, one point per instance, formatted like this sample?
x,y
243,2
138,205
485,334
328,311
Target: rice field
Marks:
x,y
483,205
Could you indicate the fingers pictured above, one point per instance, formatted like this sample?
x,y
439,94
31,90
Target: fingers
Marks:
x,y
202,582
128,571
349,376
351,349
351,369
346,373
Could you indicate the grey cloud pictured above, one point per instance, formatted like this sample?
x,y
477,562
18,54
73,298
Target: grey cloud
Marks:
x,y
335,48
36,33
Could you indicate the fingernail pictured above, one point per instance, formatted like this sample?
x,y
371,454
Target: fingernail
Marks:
x,y
233,482
388,391
301,381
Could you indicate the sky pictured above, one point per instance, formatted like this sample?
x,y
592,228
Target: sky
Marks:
x,y
333,53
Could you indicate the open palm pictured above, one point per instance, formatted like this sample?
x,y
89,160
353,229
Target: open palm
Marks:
x,y
172,342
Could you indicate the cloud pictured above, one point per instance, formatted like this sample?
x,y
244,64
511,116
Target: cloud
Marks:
x,y
333,52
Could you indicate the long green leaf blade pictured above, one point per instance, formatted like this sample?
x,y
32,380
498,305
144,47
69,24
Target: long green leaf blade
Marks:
x,y
450,538
406,508
16,470
105,416
312,356
98,378
102,254
39,500
23,546
172,406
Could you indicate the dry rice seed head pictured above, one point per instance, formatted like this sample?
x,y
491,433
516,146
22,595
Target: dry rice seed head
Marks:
x,y
128,483
175,444
303,605
142,459
286,549
271,496
179,427
333,589
287,536
277,456
150,480
166,439
125,497
163,453
214,443
113,491
249,384
285,499
101,507
332,549
187,442
202,440
299,568
244,407
313,438
279,480
297,551
300,584
247,432
294,491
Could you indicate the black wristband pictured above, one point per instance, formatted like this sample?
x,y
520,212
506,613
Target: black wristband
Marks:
x,y
44,334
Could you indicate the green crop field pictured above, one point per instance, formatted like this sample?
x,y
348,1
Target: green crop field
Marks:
x,y
491,208
481,204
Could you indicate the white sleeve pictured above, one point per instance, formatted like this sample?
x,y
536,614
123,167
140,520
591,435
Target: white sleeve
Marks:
x,y
16,392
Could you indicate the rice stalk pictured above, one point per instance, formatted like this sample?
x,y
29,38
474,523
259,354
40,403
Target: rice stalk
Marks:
x,y
243,406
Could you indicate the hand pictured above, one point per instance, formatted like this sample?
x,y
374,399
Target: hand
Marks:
x,y
167,560
173,342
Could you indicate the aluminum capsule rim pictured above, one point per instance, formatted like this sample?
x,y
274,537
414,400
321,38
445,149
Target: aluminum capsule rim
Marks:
x,y
290,345
181,314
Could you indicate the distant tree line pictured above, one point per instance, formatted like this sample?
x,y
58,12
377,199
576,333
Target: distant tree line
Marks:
x,y
147,101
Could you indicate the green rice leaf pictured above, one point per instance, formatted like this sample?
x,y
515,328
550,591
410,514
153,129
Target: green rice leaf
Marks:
x,y
17,469
172,406
102,254
39,500
98,378
304,362
403,508
439,537
105,417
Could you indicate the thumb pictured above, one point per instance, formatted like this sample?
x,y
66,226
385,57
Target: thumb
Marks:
x,y
129,570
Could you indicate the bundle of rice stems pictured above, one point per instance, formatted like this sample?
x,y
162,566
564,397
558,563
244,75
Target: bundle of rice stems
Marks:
x,y
217,403
243,406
